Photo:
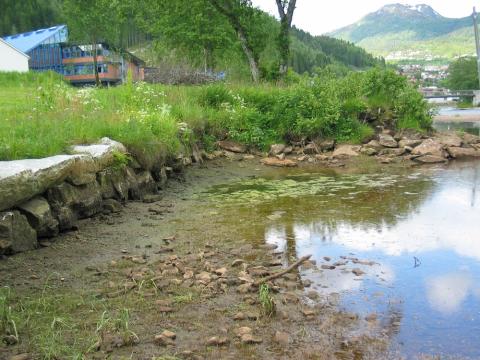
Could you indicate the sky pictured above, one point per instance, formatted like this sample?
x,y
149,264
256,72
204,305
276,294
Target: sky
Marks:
x,y
322,16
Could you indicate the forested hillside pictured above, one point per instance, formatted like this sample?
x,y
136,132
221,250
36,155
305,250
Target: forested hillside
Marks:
x,y
193,33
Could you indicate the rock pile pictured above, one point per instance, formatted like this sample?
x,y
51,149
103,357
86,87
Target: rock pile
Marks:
x,y
405,145
41,197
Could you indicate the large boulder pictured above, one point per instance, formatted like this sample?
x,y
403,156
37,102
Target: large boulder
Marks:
x,y
232,146
326,145
463,153
40,217
102,154
277,149
84,200
343,151
430,159
470,139
449,139
387,141
392,152
278,162
429,147
16,234
310,149
21,180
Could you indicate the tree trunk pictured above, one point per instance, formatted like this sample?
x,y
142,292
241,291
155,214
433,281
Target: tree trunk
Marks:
x,y
95,64
286,18
242,36
250,56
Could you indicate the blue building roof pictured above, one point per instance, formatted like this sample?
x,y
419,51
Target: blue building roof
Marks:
x,y
29,40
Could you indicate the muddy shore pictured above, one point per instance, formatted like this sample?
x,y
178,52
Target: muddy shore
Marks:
x,y
175,269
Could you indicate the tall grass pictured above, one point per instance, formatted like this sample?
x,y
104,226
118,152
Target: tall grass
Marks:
x,y
41,115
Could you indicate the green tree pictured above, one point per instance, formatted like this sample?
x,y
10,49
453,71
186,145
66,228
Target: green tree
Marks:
x,y
463,74
286,9
242,17
195,27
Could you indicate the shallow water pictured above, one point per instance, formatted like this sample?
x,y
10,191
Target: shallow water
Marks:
x,y
415,234
465,120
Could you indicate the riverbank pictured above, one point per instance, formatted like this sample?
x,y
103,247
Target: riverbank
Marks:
x,y
168,279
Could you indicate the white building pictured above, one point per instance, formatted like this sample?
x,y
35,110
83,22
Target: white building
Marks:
x,y
12,59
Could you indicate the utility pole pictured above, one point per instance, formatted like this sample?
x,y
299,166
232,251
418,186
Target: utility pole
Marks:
x,y
477,40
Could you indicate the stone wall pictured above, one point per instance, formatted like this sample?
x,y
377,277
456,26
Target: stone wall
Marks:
x,y
43,197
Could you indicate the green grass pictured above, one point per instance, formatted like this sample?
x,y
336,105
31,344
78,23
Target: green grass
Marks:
x,y
41,115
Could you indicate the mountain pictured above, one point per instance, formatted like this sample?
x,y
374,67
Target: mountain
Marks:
x,y
402,32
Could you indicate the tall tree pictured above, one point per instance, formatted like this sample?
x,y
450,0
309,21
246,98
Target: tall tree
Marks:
x,y
236,11
195,27
463,74
92,21
286,9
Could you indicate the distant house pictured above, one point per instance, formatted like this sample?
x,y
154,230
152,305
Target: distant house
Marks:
x,y
12,59
49,49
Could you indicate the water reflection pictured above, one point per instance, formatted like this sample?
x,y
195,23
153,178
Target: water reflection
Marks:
x,y
446,293
420,229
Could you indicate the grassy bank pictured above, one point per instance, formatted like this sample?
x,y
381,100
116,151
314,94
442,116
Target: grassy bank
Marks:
x,y
41,115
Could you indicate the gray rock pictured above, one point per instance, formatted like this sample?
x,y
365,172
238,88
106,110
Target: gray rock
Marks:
x,y
470,139
16,234
102,154
463,153
326,145
23,179
392,152
430,159
232,146
160,176
277,149
450,139
429,147
310,149
410,143
40,217
84,200
143,184
369,151
112,205
373,144
346,151
67,219
387,141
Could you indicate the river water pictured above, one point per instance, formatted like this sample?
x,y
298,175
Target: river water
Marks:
x,y
411,235
457,119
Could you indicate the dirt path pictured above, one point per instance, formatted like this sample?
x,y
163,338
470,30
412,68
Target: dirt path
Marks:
x,y
169,280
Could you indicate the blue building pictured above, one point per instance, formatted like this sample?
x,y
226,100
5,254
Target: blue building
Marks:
x,y
44,47
49,49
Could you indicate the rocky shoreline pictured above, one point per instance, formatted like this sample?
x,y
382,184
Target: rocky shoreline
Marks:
x,y
41,198
387,147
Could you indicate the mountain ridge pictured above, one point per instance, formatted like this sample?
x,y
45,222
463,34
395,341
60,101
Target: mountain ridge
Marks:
x,y
397,28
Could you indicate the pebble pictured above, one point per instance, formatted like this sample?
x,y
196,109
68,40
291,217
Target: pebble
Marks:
x,y
281,338
242,331
217,341
162,340
237,262
250,339
169,334
358,272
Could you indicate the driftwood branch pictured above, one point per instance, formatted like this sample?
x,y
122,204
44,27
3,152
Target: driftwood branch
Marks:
x,y
283,272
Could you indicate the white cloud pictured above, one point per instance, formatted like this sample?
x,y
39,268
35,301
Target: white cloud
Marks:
x,y
318,17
